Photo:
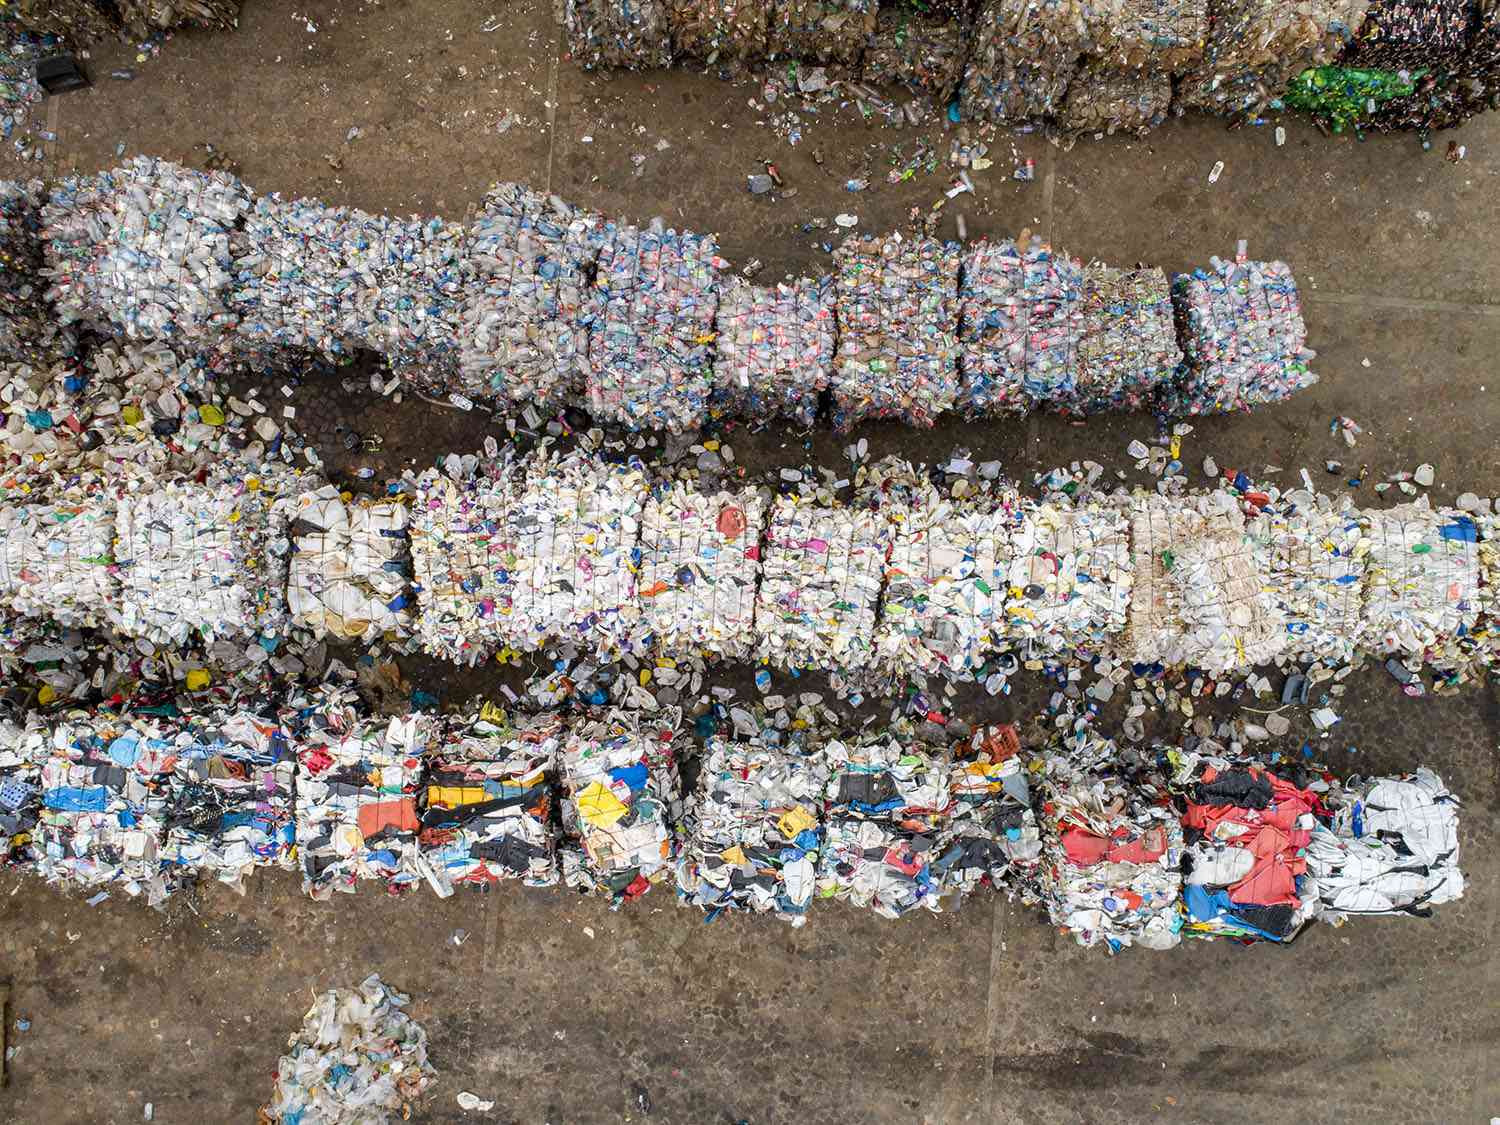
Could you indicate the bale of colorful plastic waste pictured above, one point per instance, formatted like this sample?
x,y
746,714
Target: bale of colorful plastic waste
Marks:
x,y
620,34
1127,343
993,836
924,53
1102,99
774,352
720,31
1422,582
1069,578
1162,37
1024,55
1343,97
350,569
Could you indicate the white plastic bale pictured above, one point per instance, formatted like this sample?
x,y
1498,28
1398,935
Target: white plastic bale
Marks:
x,y
775,348
1422,586
464,562
56,557
1314,550
575,526
699,564
821,576
1069,576
349,565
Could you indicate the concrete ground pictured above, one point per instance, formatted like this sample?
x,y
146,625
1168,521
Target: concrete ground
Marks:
x,y
564,1012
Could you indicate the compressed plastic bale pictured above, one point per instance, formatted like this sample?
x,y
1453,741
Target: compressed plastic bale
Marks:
x,y
1019,327
1069,576
1127,343
1102,99
24,315
621,798
1231,621
650,359
528,300
200,560
886,820
1148,36
756,829
350,565
993,838
775,348
23,750
464,562
1412,35
358,781
56,557
1243,337
575,527
1256,48
720,31
1422,581
1389,847
699,565
487,805
77,21
943,608
825,31
141,17
624,34
897,304
925,53
1111,849
821,576
1024,56
1315,552
1472,86
145,250
1343,98
230,807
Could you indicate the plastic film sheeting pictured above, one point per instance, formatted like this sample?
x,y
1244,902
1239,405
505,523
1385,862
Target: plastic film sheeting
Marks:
x,y
350,565
774,352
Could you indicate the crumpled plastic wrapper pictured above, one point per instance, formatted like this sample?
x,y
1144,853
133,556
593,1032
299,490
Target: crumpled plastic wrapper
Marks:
x,y
357,1059
1102,99
145,250
699,565
887,821
25,318
821,577
994,839
1243,338
1314,550
623,34
650,350
621,798
358,781
756,829
528,300
720,31
775,349
1422,581
487,805
1155,36
1020,327
825,31
55,557
350,565
1069,576
1025,53
1127,345
924,53
897,305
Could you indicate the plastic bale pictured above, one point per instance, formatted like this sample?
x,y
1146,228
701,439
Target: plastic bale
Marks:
x,y
1422,590
886,821
756,829
25,319
1102,99
650,354
775,349
720,31
56,557
1243,338
77,21
699,566
1019,328
1343,98
528,301
1389,847
1412,35
621,799
576,528
358,781
823,31
464,561
1127,343
1159,528
145,251
821,576
1231,621
23,751
487,807
1111,848
924,53
350,568
994,839
1148,36
897,304
1024,55
1445,100
230,807
142,17
623,34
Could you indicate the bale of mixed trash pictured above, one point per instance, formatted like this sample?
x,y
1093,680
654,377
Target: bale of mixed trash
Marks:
x,y
528,300
1244,343
1257,47
1103,99
755,828
1421,581
1019,327
775,349
824,31
699,565
897,303
622,34
142,17
621,799
1340,97
1162,37
56,555
925,53
25,317
350,565
357,1058
23,750
1127,344
486,808
994,839
1069,576
1443,101
650,359
1412,36
720,31
1024,55
78,21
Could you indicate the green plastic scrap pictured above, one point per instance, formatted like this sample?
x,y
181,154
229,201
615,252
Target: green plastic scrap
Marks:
x,y
1344,96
